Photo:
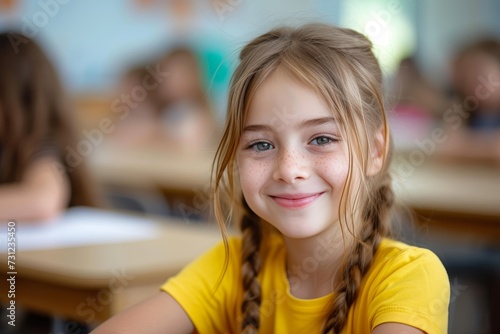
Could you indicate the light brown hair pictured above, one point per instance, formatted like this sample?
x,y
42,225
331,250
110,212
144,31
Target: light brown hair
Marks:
x,y
339,65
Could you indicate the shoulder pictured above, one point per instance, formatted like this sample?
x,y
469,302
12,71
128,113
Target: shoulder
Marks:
x,y
221,265
209,280
396,261
209,289
223,260
409,285
222,256
206,289
395,254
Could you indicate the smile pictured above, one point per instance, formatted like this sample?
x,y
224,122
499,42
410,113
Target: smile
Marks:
x,y
295,201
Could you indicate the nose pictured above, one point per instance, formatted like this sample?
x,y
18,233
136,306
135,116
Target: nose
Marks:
x,y
291,166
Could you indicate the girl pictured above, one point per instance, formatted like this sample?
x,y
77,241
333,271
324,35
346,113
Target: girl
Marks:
x,y
182,102
36,180
475,75
307,144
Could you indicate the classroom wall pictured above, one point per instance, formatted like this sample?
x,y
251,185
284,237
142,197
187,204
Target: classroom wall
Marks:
x,y
93,41
445,25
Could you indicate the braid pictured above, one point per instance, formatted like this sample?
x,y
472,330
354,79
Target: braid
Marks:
x,y
252,236
357,264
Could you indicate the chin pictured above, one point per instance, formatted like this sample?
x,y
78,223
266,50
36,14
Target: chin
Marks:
x,y
298,231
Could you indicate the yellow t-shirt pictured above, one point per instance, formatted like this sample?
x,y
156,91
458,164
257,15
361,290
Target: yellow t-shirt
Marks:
x,y
405,284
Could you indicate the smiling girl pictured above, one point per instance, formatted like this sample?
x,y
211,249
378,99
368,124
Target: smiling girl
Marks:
x,y
304,161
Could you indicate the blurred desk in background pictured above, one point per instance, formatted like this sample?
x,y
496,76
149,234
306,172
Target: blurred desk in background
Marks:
x,y
456,207
93,280
461,198
180,180
148,168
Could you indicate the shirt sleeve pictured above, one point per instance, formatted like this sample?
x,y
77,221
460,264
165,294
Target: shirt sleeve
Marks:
x,y
413,289
205,288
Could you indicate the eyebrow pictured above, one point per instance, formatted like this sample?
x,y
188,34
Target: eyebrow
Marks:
x,y
304,124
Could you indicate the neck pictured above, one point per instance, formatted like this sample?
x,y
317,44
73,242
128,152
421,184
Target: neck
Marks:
x,y
313,263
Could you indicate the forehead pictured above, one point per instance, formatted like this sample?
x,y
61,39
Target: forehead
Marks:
x,y
282,98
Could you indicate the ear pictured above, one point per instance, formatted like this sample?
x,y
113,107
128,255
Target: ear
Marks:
x,y
377,153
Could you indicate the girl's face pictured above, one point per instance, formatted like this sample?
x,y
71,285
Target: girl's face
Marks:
x,y
182,81
292,162
471,74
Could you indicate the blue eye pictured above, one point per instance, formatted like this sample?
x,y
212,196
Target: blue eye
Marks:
x,y
261,146
323,140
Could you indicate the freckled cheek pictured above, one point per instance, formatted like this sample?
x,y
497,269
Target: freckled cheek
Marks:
x,y
333,169
253,175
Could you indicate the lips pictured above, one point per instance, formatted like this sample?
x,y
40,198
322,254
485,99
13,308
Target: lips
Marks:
x,y
295,201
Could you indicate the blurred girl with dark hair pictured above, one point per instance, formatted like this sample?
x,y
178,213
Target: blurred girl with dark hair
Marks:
x,y
36,181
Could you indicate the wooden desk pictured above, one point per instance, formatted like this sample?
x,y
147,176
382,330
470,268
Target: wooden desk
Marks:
x,y
91,283
462,198
153,168
179,181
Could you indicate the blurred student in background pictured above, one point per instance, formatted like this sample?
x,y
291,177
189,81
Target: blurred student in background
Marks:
x,y
476,83
176,114
36,180
415,101
138,126
412,91
182,101
166,109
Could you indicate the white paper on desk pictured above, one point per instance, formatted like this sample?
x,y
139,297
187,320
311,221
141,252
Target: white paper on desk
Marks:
x,y
79,227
